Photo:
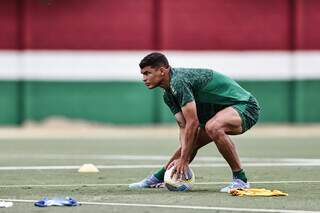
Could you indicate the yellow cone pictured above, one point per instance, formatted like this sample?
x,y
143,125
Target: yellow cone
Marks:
x,y
88,168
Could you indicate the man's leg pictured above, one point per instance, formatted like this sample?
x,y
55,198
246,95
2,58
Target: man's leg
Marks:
x,y
202,139
228,122
156,179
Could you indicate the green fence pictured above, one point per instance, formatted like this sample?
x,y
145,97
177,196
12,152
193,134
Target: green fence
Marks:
x,y
132,103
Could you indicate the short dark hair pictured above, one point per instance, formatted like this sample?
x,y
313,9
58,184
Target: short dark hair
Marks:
x,y
155,60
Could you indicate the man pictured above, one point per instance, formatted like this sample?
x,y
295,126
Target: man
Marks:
x,y
208,106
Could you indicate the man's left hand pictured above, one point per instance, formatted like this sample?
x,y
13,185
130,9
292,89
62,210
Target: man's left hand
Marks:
x,y
180,169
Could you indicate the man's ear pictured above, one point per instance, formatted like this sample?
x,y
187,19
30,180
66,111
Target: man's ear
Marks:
x,y
163,70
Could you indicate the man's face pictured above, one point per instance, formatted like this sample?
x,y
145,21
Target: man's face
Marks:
x,y
152,77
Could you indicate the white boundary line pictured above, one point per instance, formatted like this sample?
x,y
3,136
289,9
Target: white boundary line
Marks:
x,y
301,164
126,184
180,207
263,182
147,157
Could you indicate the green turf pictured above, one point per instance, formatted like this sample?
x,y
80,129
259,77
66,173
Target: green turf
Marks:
x,y
303,196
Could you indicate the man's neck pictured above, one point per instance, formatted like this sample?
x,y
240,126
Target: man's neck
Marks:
x,y
165,84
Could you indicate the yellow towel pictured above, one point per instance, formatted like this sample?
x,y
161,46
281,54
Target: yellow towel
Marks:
x,y
256,192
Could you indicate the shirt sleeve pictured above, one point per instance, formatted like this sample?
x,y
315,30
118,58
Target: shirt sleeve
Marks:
x,y
182,92
171,103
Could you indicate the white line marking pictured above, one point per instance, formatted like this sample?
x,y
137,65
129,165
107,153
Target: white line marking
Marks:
x,y
263,182
144,157
126,184
301,164
64,185
180,207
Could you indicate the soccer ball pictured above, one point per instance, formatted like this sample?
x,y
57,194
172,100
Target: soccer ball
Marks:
x,y
173,184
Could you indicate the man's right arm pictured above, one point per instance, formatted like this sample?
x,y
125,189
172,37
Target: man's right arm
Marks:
x,y
181,123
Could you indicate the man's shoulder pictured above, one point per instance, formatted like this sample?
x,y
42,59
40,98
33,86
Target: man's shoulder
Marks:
x,y
190,68
181,74
186,70
190,76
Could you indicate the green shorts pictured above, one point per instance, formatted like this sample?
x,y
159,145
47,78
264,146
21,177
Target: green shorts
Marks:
x,y
249,113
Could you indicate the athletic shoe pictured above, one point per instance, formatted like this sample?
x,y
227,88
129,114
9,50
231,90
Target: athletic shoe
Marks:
x,y
150,182
235,184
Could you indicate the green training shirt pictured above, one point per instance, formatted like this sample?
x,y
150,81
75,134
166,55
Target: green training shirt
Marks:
x,y
212,91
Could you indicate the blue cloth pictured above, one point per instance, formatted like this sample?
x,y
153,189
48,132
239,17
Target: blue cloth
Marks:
x,y
68,201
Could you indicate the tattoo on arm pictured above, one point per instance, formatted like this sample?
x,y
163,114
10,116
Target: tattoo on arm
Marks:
x,y
181,124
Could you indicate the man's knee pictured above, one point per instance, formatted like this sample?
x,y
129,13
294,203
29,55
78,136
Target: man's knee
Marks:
x,y
215,130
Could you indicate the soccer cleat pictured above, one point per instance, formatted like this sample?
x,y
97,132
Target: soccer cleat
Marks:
x,y
150,182
235,184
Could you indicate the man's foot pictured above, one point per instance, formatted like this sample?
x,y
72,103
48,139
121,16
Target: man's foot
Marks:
x,y
235,184
149,182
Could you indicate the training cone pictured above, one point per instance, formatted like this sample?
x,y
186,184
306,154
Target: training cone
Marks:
x,y
88,168
5,204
